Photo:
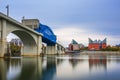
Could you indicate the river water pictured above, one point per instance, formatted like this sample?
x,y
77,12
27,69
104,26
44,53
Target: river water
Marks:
x,y
63,67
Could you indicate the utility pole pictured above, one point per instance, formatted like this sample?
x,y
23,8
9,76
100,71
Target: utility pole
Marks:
x,y
7,10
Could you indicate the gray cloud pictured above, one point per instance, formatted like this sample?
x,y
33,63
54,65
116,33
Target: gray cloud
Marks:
x,y
101,16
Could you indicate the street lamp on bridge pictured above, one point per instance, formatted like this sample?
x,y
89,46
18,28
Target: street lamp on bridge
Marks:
x,y
7,10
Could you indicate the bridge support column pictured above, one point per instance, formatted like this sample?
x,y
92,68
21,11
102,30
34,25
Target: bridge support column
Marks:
x,y
51,50
60,49
39,45
63,50
2,37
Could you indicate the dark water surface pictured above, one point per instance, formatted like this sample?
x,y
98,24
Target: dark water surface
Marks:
x,y
65,67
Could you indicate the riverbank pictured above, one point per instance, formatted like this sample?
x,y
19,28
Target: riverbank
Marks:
x,y
101,52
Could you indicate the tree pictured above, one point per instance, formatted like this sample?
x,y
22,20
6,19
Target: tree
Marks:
x,y
15,50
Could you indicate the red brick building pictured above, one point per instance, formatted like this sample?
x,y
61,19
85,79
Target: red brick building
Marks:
x,y
97,44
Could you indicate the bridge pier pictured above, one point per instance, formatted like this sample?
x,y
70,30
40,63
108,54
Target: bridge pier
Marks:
x,y
55,49
2,37
39,45
60,49
51,49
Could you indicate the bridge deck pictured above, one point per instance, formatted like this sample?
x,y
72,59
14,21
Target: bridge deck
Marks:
x,y
3,16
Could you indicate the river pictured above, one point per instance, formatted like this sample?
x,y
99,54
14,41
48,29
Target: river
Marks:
x,y
62,67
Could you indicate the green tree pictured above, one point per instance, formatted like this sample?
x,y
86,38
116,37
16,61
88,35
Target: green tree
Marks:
x,y
15,50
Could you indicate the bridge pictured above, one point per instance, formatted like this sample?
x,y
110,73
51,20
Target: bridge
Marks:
x,y
32,33
48,36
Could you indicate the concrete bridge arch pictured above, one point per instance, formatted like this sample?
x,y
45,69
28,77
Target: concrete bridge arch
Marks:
x,y
31,39
30,44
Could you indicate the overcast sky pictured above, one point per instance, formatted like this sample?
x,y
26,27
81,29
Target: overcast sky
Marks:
x,y
72,19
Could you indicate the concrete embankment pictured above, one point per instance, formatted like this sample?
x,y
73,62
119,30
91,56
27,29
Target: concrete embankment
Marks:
x,y
101,52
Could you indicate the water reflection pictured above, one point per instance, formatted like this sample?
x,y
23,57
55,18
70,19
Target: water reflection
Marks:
x,y
50,70
75,62
68,67
13,68
2,70
97,62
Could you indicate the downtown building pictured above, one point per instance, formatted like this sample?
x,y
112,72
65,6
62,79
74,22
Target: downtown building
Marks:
x,y
74,46
97,44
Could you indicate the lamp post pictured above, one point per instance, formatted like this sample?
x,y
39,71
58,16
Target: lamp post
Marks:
x,y
7,10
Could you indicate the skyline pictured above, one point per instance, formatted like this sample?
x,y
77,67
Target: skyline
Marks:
x,y
75,19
